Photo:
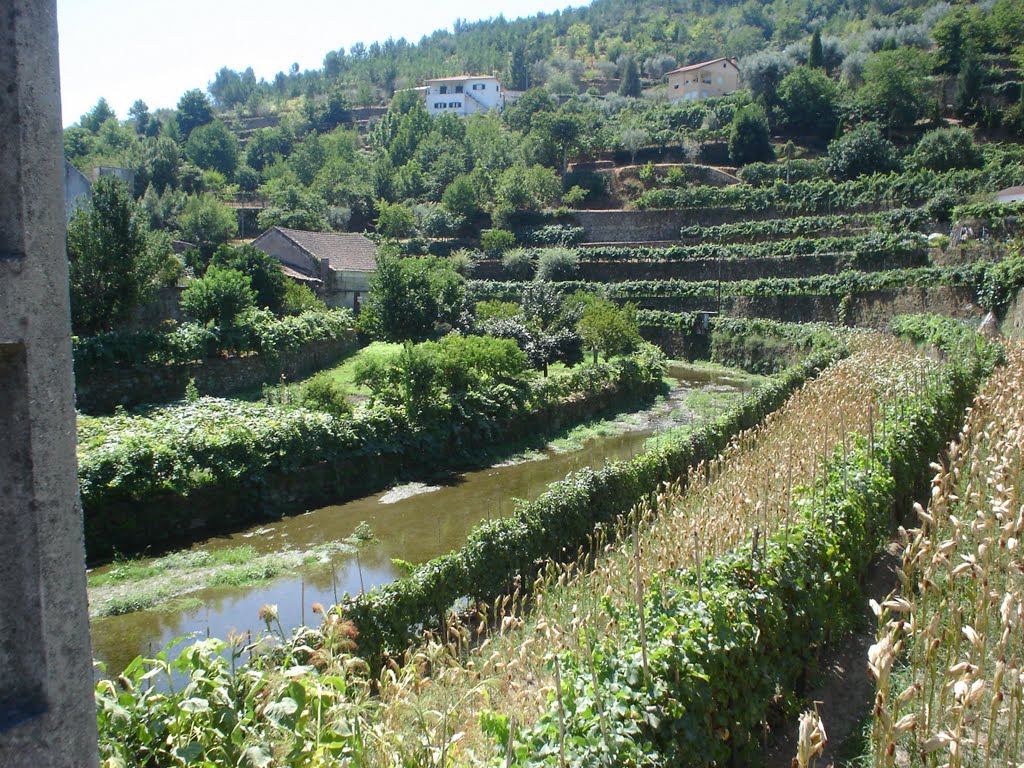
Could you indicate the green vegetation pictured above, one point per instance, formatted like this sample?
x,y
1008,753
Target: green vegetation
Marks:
x,y
116,263
433,400
646,612
754,614
255,331
129,585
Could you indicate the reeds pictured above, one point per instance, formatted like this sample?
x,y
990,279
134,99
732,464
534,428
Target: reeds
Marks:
x,y
950,654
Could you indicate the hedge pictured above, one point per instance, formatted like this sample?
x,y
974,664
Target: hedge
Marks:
x,y
976,276
867,248
257,331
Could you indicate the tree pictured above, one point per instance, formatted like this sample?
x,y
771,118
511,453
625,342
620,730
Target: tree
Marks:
x,y
114,265
97,116
816,54
749,136
809,103
946,149
630,73
395,220
518,69
520,116
229,88
527,189
218,297
265,146
194,110
562,131
632,140
763,72
461,197
295,207
139,113
968,101
412,298
213,146
956,34
860,151
608,328
263,270
207,222
894,92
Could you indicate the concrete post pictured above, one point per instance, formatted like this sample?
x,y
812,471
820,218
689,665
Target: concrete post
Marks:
x,y
47,714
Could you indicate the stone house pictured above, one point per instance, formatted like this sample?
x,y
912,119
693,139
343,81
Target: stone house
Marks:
x,y
336,266
463,94
717,77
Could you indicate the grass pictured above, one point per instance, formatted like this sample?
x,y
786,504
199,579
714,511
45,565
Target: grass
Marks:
x,y
140,569
164,583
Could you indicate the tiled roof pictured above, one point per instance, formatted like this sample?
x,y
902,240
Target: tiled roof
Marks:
x,y
459,77
702,64
346,251
302,277
1010,191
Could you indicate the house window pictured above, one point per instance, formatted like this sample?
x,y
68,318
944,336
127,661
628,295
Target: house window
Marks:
x,y
676,86
458,89
443,89
479,87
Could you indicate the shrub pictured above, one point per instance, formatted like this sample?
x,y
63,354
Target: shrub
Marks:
x,y
219,297
495,242
556,264
463,261
518,264
861,151
299,298
946,149
749,136
324,393
493,309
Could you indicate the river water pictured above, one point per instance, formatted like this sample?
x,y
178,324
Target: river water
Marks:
x,y
414,523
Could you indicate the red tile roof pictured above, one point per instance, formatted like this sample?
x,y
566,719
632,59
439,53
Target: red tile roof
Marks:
x,y
702,64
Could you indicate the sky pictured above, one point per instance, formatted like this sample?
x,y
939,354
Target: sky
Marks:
x,y
155,50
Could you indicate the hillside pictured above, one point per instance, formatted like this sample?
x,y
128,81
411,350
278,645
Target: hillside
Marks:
x,y
830,230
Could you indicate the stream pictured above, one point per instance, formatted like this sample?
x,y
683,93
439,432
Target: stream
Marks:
x,y
414,523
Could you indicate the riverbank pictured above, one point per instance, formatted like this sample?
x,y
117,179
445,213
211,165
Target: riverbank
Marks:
x,y
210,466
413,522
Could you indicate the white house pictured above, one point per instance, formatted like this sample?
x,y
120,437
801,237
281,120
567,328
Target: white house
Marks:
x,y
701,81
463,94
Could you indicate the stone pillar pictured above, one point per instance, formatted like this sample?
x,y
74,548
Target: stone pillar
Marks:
x,y
47,714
